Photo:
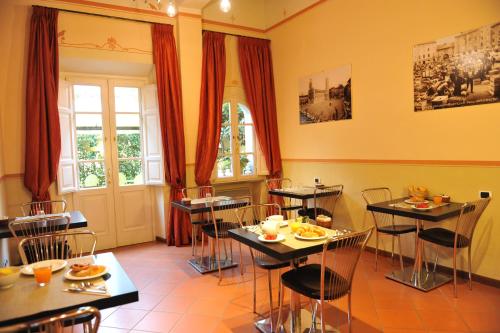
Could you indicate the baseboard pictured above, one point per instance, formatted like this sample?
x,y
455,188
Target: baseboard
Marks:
x,y
442,269
161,239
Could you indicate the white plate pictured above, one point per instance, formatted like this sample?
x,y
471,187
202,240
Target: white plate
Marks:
x,y
68,276
310,238
57,264
422,209
408,201
283,224
277,240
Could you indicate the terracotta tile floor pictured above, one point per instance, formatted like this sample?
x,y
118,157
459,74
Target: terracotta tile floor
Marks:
x,y
174,298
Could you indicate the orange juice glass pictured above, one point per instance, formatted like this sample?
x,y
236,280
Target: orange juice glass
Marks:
x,y
42,274
437,199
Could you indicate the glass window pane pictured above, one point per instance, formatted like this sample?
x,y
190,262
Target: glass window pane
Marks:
x,y
89,138
225,140
91,174
247,164
130,172
127,99
87,98
128,135
245,138
226,113
244,116
225,166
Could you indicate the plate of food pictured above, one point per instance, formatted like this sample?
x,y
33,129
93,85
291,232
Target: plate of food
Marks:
x,y
414,201
56,265
267,238
422,206
85,271
310,232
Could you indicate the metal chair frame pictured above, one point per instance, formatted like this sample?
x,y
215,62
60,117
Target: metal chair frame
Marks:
x,y
344,268
289,204
56,323
327,202
43,207
465,226
63,245
37,226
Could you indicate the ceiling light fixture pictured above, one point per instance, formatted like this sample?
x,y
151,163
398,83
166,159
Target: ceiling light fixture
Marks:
x,y
225,5
171,10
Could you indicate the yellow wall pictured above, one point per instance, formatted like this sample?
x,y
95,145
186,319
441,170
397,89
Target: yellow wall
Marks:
x,y
376,38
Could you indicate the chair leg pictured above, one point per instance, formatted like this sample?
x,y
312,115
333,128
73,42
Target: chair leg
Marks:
x,y
279,323
241,260
376,249
218,259
269,280
193,240
202,247
470,265
392,250
349,316
436,259
455,272
254,282
400,253
323,323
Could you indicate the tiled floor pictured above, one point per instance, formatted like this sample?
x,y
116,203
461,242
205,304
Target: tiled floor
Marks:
x,y
174,298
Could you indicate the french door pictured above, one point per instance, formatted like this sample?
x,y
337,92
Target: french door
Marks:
x,y
110,190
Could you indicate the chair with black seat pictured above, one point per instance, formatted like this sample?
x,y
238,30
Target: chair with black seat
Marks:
x,y
458,239
222,220
387,223
330,280
61,245
197,192
43,207
252,216
324,201
85,319
289,204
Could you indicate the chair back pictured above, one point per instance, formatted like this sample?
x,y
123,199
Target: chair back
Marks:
x,y
85,319
276,183
197,192
43,207
325,199
254,214
338,263
63,245
225,217
375,195
37,226
467,220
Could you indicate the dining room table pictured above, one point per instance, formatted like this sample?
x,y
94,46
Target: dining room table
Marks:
x,y
302,193
415,276
208,264
290,249
26,300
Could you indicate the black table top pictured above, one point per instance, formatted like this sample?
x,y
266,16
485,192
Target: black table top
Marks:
x,y
302,193
434,215
203,207
77,221
278,251
26,301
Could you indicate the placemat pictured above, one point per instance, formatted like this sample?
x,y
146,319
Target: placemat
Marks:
x,y
405,205
205,200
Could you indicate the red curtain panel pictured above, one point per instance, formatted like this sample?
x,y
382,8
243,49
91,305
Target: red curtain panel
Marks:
x,y
213,76
43,136
168,83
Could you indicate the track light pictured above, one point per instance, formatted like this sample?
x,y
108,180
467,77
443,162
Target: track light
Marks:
x,y
171,10
225,5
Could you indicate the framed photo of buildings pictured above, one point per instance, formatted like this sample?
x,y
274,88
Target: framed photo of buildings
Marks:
x,y
325,96
459,70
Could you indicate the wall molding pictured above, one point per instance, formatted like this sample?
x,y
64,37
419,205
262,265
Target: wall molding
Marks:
x,y
291,17
12,175
403,162
119,8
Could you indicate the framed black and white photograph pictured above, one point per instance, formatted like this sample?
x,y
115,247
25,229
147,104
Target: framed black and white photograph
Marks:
x,y
459,70
325,96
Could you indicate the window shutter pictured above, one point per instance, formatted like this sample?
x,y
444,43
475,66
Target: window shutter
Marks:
x,y
66,173
262,169
153,152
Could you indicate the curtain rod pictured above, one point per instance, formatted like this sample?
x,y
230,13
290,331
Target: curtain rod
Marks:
x,y
101,15
235,35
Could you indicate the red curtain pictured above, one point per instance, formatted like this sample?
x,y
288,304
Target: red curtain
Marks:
x,y
168,82
213,76
43,136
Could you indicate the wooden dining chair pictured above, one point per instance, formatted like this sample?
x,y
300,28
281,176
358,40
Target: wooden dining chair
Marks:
x,y
85,319
330,280
324,201
222,220
197,192
460,238
43,207
386,223
62,245
289,205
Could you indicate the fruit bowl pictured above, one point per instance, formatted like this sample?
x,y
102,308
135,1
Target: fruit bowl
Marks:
x,y
8,276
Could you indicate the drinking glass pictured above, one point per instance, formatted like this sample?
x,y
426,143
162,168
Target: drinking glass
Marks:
x,y
42,273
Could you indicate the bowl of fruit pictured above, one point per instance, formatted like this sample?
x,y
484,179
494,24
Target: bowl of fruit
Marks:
x,y
8,276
